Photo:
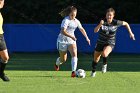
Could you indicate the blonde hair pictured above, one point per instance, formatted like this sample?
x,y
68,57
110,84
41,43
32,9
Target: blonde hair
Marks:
x,y
67,11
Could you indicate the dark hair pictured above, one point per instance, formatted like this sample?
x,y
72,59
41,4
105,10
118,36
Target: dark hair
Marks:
x,y
67,11
110,10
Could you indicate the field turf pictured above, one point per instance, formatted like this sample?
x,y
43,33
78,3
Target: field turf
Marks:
x,y
34,73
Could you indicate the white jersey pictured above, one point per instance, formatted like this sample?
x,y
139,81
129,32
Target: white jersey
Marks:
x,y
70,26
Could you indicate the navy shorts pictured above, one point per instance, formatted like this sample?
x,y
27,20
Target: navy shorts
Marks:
x,y
100,47
2,43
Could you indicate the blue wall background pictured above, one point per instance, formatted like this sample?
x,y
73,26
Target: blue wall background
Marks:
x,y
42,38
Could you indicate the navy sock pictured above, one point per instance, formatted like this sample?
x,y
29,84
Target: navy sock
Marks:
x,y
104,60
94,65
2,68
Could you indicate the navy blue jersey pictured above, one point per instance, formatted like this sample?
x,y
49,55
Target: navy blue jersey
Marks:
x,y
107,33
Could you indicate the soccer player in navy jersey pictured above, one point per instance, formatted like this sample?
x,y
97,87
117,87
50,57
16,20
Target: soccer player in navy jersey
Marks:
x,y
106,41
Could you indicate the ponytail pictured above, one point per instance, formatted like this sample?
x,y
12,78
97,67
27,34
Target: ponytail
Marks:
x,y
67,11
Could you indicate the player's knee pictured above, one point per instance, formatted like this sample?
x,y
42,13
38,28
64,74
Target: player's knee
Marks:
x,y
74,54
104,54
63,60
5,59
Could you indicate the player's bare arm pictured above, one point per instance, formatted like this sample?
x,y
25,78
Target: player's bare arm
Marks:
x,y
98,27
64,32
85,34
129,30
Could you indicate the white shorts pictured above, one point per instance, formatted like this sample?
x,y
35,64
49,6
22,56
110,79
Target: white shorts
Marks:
x,y
63,46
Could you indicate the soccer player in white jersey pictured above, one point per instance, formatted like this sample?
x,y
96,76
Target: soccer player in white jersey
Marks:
x,y
66,39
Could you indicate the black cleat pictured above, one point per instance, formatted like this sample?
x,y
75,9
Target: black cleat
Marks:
x,y
4,78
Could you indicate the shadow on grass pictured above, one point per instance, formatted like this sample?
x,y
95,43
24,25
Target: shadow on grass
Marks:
x,y
46,61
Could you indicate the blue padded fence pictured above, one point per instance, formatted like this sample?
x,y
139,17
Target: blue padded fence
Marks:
x,y
42,38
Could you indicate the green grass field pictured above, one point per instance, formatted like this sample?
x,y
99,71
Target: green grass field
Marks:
x,y
34,73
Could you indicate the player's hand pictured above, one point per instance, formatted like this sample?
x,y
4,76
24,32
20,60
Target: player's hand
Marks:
x,y
132,36
88,41
74,38
101,22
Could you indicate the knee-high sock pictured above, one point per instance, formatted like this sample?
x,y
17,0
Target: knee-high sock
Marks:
x,y
2,66
58,62
74,63
104,60
94,65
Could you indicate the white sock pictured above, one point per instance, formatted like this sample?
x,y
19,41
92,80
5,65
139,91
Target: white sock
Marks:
x,y
74,63
58,62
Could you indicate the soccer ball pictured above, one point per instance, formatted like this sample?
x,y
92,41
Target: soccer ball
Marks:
x,y
80,73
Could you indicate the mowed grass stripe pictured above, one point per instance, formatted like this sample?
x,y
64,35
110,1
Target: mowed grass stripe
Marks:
x,y
38,76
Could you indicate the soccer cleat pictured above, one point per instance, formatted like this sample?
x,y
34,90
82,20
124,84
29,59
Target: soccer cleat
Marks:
x,y
56,67
93,74
4,78
104,68
73,74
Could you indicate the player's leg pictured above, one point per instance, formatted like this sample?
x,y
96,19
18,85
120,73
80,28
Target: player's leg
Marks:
x,y
96,58
73,51
107,50
3,61
60,60
63,55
